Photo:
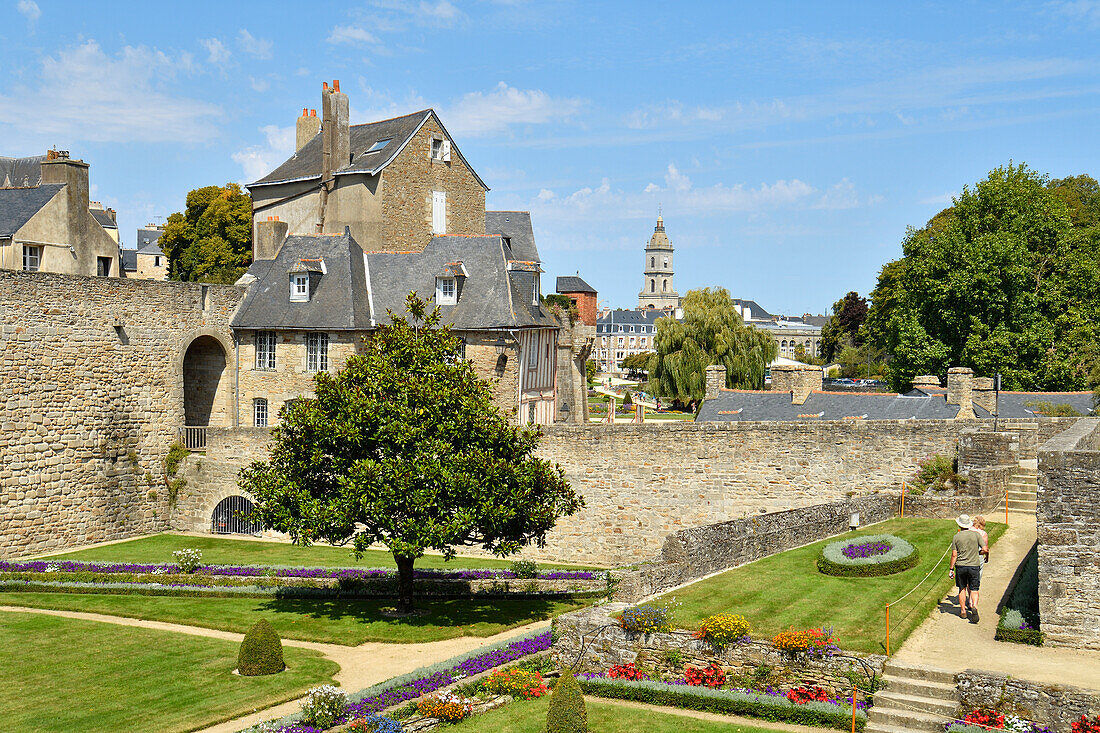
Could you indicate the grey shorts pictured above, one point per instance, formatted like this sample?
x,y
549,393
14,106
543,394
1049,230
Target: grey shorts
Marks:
x,y
968,577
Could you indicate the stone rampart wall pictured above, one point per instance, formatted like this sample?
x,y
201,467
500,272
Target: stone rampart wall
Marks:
x,y
1068,528
212,476
91,396
1056,706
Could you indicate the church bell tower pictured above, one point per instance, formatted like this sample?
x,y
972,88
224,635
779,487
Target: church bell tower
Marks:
x,y
657,289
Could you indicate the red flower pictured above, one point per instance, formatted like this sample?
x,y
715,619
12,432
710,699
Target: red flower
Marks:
x,y
626,672
985,718
712,676
1084,725
803,695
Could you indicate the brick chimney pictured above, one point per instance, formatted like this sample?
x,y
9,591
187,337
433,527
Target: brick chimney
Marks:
x,y
335,133
801,380
309,124
960,390
715,381
270,235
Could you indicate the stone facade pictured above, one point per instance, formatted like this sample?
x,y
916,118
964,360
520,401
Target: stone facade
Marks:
x,y
1056,706
92,396
211,477
657,289
1068,528
574,346
799,379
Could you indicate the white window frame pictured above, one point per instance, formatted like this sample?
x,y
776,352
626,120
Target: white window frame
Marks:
x,y
32,258
442,297
265,350
299,288
537,289
439,212
317,352
261,415
533,354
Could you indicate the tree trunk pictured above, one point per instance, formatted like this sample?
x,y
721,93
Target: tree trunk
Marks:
x,y
404,583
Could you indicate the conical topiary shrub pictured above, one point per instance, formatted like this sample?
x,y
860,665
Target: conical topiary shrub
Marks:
x,y
261,651
567,713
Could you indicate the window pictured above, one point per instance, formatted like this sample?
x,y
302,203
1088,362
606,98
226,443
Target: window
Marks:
x,y
103,266
441,149
652,261
666,263
632,329
446,291
664,286
259,413
439,212
533,355
317,352
535,298
299,288
379,145
32,258
156,262
652,286
265,349
620,341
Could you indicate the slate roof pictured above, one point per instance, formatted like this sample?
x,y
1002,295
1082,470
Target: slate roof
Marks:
x,y
756,313
493,295
21,172
573,284
129,260
305,164
104,218
18,205
151,249
515,227
632,316
338,299
143,233
1014,404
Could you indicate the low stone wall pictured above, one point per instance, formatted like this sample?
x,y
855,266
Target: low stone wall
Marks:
x,y
1068,529
212,476
591,641
699,551
1056,706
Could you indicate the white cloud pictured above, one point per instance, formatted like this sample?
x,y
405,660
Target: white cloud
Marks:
x,y
29,10
216,52
487,113
97,97
676,180
351,35
944,199
843,195
441,10
259,85
1077,11
259,160
545,194
258,47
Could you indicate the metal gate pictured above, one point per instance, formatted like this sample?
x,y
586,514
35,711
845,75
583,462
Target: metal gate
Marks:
x,y
233,515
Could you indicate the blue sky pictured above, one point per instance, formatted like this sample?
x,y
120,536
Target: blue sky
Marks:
x,y
789,144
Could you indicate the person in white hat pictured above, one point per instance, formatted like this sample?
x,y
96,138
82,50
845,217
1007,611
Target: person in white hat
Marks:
x,y
966,561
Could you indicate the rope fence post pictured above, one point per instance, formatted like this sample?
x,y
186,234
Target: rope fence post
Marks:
x,y
1006,506
853,708
887,629
903,499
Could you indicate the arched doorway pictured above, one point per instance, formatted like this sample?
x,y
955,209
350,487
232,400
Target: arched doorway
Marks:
x,y
205,383
233,515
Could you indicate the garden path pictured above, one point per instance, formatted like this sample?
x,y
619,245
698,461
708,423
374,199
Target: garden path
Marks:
x,y
948,642
360,666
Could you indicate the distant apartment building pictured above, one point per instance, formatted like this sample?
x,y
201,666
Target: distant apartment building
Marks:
x,y
789,332
623,333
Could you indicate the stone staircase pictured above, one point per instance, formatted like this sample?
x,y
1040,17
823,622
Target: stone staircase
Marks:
x,y
1021,491
916,698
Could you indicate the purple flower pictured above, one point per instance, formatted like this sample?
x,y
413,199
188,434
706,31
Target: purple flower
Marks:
x,y
866,549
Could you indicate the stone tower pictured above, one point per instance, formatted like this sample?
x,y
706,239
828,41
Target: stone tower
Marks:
x,y
657,290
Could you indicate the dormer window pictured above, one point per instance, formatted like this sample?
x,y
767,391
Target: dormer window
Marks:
x,y
537,289
299,287
446,291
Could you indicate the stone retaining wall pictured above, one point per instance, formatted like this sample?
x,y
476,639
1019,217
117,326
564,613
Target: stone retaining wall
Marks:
x,y
1056,706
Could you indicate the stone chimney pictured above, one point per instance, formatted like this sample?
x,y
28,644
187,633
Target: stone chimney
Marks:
x,y
270,236
309,124
58,167
335,133
926,380
984,396
715,381
801,380
960,390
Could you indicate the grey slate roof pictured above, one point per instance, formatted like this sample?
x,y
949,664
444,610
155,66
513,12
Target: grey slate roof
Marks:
x,y
145,233
1014,404
736,405
491,296
21,172
632,316
338,299
573,284
515,227
129,260
18,205
756,313
306,163
103,218
151,249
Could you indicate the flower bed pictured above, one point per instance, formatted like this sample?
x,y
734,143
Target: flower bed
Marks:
x,y
811,642
984,720
766,705
880,554
426,680
1013,627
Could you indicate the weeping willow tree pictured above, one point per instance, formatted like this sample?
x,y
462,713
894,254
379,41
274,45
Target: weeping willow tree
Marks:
x,y
711,332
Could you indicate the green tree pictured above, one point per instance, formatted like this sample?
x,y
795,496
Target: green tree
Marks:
x,y
710,332
637,365
590,370
404,447
1002,281
844,325
211,240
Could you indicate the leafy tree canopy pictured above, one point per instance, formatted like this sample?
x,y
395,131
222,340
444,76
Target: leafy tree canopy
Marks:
x,y
637,363
710,332
211,240
847,318
1006,280
404,447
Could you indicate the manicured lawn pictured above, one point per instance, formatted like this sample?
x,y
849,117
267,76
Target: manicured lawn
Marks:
x,y
224,551
530,717
59,674
786,590
347,622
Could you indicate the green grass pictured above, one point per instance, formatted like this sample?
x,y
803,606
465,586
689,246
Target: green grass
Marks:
x,y
787,590
530,717
224,551
335,621
59,674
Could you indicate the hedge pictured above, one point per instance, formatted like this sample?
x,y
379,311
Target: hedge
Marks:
x,y
1017,636
261,651
901,556
756,705
567,713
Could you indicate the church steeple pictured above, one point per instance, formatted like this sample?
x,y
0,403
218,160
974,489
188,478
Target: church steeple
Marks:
x,y
657,288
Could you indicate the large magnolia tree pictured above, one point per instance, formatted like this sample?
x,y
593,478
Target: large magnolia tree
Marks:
x,y
404,447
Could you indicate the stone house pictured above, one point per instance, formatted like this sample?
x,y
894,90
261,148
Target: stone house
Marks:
x,y
146,260
46,221
581,294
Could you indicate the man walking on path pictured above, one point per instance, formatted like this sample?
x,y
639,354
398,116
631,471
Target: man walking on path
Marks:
x,y
966,566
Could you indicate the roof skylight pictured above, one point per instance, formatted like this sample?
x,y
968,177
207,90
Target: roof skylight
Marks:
x,y
378,145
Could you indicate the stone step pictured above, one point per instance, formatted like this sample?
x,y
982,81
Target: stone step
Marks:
x,y
1027,471
910,720
1023,486
884,728
1024,495
894,669
922,688
1021,506
890,698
